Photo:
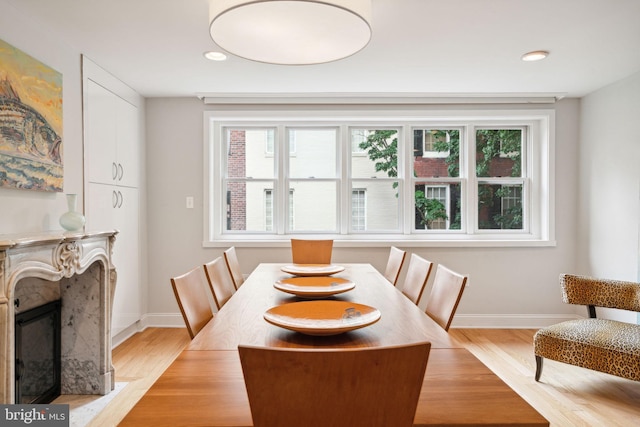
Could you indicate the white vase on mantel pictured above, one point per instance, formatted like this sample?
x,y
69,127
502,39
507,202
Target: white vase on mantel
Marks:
x,y
72,220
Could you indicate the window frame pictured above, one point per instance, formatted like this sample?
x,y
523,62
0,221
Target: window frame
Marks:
x,y
538,188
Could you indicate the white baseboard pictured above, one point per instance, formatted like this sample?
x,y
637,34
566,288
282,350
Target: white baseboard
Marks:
x,y
168,320
163,320
509,321
122,336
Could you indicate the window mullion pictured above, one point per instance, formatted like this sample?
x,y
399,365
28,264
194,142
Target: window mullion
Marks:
x,y
471,200
346,183
406,180
282,173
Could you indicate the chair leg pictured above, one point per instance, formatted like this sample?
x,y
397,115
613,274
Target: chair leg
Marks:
x,y
538,367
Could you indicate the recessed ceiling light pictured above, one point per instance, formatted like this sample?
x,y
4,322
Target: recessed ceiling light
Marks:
x,y
536,55
215,56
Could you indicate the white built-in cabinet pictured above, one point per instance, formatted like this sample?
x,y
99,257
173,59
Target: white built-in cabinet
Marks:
x,y
112,141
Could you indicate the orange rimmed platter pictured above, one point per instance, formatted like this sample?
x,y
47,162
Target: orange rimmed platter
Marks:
x,y
312,269
322,317
314,286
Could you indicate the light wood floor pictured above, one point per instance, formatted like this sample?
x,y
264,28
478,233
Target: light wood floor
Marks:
x,y
566,396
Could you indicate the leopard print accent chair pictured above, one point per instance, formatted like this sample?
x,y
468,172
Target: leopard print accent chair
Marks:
x,y
603,345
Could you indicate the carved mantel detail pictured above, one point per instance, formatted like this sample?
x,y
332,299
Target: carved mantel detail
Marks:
x,y
67,257
78,268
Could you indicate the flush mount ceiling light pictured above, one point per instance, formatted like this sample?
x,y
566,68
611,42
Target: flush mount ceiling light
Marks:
x,y
291,32
536,55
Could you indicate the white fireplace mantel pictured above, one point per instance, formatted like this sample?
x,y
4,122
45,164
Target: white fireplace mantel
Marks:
x,y
77,268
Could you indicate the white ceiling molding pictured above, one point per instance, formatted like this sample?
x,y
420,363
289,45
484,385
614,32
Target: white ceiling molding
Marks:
x,y
378,98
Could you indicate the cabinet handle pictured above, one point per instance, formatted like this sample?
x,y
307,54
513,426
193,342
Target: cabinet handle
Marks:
x,y
114,199
114,170
121,199
120,171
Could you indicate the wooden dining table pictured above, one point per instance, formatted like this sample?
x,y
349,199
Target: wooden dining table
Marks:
x,y
204,386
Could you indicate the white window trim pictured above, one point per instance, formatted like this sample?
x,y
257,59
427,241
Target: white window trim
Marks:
x,y
541,195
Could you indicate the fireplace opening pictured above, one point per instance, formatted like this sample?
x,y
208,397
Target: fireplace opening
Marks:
x,y
38,353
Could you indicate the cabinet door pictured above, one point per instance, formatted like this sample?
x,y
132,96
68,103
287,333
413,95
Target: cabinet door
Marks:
x,y
114,207
112,137
127,136
100,131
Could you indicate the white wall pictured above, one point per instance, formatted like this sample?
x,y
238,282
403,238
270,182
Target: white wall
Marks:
x,y
508,286
610,183
23,211
32,211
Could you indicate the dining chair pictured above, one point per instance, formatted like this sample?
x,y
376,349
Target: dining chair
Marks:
x,y
339,387
445,295
220,281
191,294
416,279
231,259
311,251
394,264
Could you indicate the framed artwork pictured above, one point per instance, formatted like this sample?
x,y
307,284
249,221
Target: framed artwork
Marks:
x,y
30,122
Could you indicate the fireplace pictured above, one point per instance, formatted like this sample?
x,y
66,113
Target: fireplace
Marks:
x,y
37,339
75,268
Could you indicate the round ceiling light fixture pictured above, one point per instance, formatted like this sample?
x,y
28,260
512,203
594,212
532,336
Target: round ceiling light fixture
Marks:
x,y
291,32
536,55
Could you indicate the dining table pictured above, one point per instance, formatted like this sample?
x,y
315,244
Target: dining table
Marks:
x,y
204,386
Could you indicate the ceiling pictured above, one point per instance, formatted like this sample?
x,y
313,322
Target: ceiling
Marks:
x,y
418,47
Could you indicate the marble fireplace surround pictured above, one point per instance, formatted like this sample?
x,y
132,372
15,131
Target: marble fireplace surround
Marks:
x,y
75,267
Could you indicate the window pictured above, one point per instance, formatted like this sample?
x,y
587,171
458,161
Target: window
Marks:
x,y
501,178
268,210
438,196
358,209
270,144
430,143
426,178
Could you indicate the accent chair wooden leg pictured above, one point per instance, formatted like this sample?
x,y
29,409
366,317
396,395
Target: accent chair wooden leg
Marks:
x,y
538,367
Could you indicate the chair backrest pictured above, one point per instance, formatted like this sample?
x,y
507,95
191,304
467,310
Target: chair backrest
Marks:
x,y
342,387
191,294
231,258
445,295
416,279
220,281
597,292
311,251
394,264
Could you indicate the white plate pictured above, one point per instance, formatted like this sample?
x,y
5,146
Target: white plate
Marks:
x,y
323,317
312,269
315,286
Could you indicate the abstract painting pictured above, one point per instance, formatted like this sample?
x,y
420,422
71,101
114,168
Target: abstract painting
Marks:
x,y
30,122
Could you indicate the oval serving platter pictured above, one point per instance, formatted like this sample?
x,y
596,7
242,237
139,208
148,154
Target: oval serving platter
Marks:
x,y
322,317
314,286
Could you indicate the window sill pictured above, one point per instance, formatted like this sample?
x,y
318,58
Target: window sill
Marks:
x,y
377,241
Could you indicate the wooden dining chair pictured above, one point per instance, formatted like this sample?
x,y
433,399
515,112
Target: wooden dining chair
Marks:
x,y
340,387
220,281
416,279
445,296
191,294
394,264
231,259
311,251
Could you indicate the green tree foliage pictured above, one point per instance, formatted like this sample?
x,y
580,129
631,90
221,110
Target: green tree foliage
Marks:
x,y
382,149
491,144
